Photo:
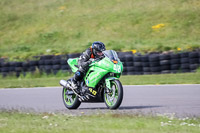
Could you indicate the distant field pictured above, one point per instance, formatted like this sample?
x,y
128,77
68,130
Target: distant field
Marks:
x,y
35,27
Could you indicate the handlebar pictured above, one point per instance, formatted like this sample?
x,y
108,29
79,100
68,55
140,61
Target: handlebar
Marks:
x,y
94,61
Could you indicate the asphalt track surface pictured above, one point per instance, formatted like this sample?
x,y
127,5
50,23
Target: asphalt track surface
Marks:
x,y
183,100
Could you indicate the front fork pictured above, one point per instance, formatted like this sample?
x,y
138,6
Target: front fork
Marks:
x,y
108,82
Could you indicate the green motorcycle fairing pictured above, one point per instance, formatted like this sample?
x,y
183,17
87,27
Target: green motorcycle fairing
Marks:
x,y
98,69
72,63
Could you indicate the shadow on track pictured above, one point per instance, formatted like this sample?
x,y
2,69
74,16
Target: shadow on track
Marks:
x,y
123,107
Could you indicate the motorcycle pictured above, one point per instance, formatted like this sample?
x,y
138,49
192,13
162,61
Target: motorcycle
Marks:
x,y
101,81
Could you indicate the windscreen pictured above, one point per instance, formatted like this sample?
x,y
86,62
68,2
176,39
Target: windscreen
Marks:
x,y
111,54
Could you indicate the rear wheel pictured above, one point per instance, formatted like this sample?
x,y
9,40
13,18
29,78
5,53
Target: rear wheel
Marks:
x,y
113,97
70,100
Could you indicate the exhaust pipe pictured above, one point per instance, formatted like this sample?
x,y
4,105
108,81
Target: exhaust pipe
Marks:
x,y
63,83
66,85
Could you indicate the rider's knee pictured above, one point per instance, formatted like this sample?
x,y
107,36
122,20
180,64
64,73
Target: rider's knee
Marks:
x,y
78,75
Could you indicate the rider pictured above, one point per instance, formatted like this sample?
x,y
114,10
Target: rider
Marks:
x,y
94,52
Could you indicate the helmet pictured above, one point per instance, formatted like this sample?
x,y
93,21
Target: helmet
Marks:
x,y
98,48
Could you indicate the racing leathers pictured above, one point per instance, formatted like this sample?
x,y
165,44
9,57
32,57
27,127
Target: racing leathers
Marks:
x,y
83,64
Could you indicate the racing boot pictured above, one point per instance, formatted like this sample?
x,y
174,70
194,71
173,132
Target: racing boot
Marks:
x,y
74,84
77,77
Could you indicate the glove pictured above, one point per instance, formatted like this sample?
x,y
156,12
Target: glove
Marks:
x,y
86,64
89,62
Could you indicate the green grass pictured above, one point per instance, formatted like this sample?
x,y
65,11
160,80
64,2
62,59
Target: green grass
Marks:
x,y
53,80
112,123
181,78
36,27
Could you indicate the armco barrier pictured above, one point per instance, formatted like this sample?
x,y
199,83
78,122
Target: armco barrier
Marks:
x,y
134,64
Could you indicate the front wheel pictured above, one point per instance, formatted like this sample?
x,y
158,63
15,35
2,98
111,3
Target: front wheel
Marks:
x,y
113,97
70,101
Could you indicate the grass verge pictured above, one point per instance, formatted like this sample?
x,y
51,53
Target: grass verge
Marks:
x,y
181,78
112,123
47,81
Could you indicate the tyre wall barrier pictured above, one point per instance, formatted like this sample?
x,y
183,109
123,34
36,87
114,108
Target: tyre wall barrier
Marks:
x,y
161,63
134,64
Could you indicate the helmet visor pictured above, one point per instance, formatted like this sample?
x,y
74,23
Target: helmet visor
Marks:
x,y
101,48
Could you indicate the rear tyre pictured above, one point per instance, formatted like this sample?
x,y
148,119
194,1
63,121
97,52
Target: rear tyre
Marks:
x,y
70,101
114,98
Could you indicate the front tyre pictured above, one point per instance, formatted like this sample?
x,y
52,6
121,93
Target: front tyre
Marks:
x,y
113,98
70,101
